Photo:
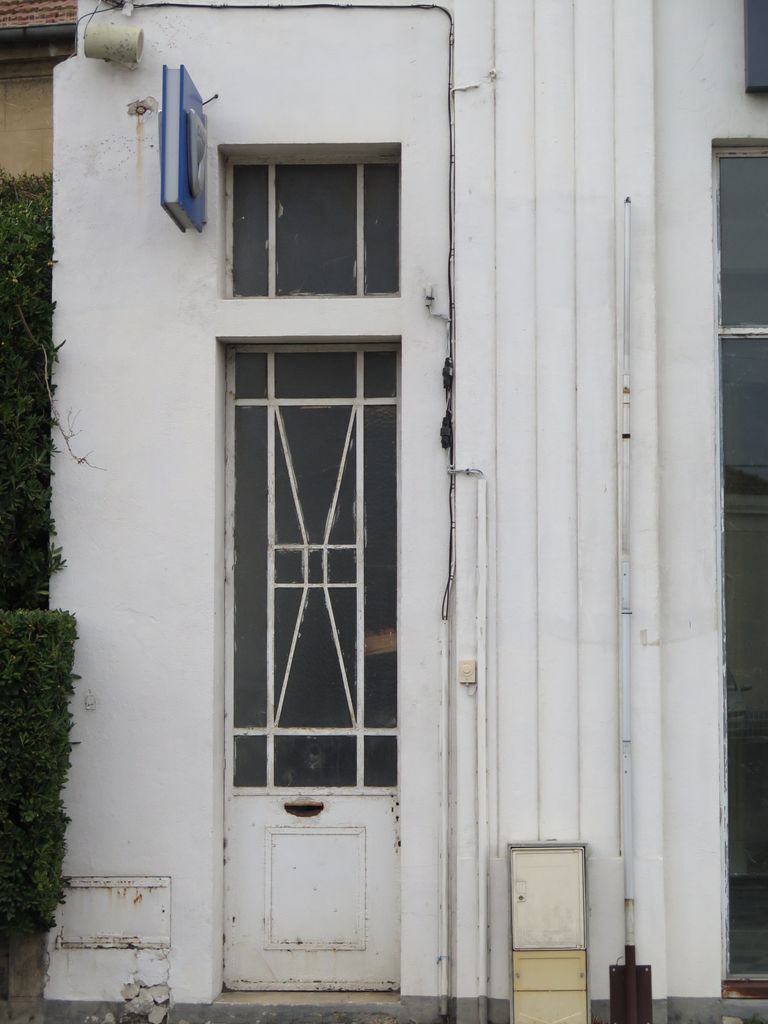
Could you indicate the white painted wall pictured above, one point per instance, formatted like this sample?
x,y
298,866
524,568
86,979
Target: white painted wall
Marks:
x,y
700,99
141,308
563,110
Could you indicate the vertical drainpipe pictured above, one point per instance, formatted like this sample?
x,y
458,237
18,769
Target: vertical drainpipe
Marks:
x,y
482,835
481,713
443,942
487,840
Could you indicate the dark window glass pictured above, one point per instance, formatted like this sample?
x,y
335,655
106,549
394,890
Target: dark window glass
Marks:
x,y
380,497
289,567
315,375
250,662
380,374
251,375
315,628
287,529
315,566
250,760
744,240
315,695
316,438
287,608
315,760
344,610
382,228
745,456
380,760
250,256
316,229
344,526
381,687
342,565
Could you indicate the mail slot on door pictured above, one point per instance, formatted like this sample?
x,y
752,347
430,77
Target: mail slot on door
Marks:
x,y
549,959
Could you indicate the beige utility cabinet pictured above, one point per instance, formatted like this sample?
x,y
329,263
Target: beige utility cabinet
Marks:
x,y
549,934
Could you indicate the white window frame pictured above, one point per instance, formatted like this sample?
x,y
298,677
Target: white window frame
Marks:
x,y
749,332
359,730
276,156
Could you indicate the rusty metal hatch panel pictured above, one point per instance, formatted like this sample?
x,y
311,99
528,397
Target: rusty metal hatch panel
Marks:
x,y
109,912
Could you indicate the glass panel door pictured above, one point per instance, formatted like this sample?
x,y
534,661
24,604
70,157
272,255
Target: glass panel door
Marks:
x,y
315,576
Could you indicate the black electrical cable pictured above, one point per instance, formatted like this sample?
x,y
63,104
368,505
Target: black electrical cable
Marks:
x,y
448,417
451,334
112,5
285,7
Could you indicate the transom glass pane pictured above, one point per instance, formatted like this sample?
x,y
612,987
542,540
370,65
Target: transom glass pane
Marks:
x,y
315,229
744,240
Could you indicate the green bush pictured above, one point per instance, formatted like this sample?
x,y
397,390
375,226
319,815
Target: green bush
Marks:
x,y
27,355
36,682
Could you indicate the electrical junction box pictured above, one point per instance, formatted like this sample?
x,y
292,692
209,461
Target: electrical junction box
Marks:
x,y
549,933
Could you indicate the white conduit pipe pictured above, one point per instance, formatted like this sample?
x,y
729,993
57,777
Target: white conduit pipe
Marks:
x,y
481,711
481,736
626,609
443,938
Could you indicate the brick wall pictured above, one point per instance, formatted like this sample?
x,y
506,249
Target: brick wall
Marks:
x,y
17,13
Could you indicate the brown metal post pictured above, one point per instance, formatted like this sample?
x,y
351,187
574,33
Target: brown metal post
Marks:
x,y
630,984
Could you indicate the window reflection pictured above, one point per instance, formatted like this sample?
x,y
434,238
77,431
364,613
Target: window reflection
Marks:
x,y
745,457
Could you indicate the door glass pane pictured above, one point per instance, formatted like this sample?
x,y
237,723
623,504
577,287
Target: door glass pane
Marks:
x,y
316,572
745,456
250,664
251,375
315,374
316,439
250,760
315,760
316,229
744,240
315,690
380,470
380,761
342,565
287,526
289,567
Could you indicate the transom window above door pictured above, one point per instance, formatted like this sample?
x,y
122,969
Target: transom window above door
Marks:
x,y
315,229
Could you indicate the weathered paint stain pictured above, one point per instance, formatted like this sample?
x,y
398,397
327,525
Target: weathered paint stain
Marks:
x,y
140,109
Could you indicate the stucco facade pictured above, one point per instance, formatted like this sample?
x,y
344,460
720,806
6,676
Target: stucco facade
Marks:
x,y
559,112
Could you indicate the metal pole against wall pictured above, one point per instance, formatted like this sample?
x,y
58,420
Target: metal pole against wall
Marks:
x,y
626,610
630,984
478,686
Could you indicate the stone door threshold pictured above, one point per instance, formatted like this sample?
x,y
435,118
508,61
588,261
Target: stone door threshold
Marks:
x,y
292,998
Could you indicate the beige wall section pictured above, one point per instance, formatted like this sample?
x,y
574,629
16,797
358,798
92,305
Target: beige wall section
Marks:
x,y
26,130
26,105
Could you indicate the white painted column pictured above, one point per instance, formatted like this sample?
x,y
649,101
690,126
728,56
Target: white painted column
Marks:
x,y
635,166
516,448
556,422
692,110
515,466
475,439
596,380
